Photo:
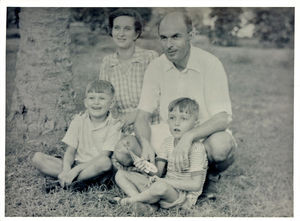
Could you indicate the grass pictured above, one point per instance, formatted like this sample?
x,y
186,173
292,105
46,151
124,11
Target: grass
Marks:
x,y
259,184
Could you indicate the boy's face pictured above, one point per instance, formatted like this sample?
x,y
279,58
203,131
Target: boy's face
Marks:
x,y
98,104
180,122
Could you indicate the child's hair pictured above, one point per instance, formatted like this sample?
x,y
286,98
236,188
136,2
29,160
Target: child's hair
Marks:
x,y
138,21
100,86
185,104
123,157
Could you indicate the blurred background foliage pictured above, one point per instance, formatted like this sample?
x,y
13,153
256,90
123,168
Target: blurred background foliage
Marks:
x,y
270,27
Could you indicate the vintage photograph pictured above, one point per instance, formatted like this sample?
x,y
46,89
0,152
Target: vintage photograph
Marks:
x,y
149,112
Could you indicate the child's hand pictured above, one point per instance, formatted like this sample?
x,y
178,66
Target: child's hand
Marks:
x,y
140,164
66,178
62,178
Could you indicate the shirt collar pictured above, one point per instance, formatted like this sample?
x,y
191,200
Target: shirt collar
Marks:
x,y
192,63
103,124
136,57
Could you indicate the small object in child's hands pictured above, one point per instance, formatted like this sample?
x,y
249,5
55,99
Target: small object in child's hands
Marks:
x,y
149,167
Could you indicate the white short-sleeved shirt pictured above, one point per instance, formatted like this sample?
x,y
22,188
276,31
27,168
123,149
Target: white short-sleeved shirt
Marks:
x,y
197,164
90,141
204,80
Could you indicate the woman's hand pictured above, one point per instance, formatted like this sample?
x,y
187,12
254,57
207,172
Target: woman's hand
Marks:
x,y
128,120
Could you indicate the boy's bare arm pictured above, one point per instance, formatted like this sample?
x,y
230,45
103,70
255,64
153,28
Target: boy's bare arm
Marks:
x,y
190,184
68,160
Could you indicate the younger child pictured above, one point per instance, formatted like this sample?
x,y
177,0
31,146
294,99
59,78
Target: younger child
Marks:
x,y
178,188
91,138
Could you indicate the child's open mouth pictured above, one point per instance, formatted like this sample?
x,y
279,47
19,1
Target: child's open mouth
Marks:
x,y
96,108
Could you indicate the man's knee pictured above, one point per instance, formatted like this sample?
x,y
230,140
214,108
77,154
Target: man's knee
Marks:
x,y
219,147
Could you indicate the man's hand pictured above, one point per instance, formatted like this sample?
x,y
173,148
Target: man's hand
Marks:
x,y
147,152
181,152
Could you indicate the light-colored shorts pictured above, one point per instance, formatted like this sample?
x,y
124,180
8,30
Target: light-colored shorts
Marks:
x,y
180,200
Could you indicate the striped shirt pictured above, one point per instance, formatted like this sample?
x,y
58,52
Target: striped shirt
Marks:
x,y
197,164
127,83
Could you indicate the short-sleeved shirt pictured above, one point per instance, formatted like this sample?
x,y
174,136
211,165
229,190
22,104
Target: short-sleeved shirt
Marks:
x,y
204,80
127,84
197,164
90,141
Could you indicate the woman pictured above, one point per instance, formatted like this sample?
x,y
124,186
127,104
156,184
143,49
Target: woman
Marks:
x,y
126,67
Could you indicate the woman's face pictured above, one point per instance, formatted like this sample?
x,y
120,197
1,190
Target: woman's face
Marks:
x,y
123,31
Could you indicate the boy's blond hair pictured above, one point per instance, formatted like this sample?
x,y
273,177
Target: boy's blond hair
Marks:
x,y
100,86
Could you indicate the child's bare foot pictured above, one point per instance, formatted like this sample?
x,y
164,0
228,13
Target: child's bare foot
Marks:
x,y
126,201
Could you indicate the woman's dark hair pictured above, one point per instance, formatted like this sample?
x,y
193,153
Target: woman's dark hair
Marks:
x,y
138,27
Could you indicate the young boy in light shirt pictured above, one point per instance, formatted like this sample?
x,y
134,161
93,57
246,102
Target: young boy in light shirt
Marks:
x,y
177,188
91,138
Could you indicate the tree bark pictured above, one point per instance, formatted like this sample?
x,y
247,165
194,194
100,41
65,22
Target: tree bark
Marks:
x,y
43,100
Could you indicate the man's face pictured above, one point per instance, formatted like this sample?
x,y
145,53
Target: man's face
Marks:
x,y
174,38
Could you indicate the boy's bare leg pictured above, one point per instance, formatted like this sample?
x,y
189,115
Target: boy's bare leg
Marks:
x,y
47,164
157,191
92,169
131,183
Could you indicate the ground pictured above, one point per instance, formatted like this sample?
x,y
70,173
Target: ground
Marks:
x,y
258,184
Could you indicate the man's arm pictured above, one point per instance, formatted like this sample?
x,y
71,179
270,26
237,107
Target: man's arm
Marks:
x,y
143,133
219,122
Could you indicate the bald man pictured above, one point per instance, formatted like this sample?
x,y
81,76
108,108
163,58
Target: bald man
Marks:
x,y
186,71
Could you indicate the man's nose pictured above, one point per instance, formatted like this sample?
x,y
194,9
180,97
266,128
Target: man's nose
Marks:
x,y
169,43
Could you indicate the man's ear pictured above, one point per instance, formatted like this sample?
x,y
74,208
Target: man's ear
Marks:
x,y
190,35
84,102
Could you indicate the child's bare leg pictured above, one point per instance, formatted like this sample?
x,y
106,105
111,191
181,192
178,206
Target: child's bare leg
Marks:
x,y
131,183
157,191
93,168
47,164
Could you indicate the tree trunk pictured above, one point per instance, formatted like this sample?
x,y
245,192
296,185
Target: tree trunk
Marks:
x,y
43,100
